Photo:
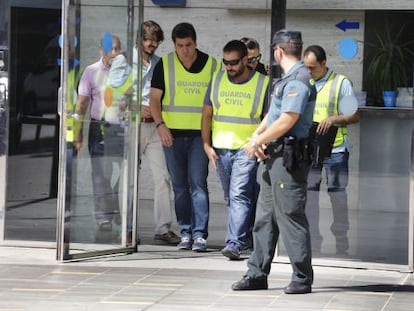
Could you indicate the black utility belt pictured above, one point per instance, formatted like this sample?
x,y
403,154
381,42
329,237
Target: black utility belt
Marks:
x,y
274,149
292,150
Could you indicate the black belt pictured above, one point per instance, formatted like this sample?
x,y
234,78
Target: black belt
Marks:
x,y
104,123
275,148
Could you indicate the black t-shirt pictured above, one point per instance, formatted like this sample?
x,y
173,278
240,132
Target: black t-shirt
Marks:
x,y
158,82
261,68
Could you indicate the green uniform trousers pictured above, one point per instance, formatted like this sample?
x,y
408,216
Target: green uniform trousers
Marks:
x,y
281,209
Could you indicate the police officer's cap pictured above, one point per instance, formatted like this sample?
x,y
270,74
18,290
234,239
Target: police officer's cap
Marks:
x,y
287,36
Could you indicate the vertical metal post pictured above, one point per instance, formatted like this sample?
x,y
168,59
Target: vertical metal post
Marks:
x,y
4,107
411,198
136,204
278,15
278,21
66,178
130,30
62,244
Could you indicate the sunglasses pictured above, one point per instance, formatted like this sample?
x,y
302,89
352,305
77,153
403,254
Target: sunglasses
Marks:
x,y
232,62
254,59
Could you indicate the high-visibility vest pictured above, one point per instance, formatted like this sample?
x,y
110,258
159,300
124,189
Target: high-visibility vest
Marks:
x,y
112,93
184,92
72,82
115,94
327,104
237,109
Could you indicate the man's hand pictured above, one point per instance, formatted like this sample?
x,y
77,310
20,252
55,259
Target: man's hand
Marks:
x,y
78,143
339,120
145,112
165,135
212,155
252,149
324,126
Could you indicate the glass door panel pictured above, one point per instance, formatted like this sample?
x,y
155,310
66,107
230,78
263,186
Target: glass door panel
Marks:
x,y
32,133
98,167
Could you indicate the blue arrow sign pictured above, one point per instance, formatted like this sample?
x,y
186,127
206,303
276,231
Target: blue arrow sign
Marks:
x,y
344,25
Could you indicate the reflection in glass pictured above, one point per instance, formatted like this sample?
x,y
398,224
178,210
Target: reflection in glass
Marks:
x,y
33,124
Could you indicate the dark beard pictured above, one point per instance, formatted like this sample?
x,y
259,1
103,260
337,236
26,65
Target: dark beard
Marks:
x,y
148,53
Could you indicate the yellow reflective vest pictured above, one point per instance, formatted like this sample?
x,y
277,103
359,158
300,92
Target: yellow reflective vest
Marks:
x,y
237,109
327,104
71,103
114,94
184,92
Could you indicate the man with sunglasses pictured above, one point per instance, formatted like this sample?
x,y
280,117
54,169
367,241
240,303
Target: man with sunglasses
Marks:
x,y
235,104
282,197
253,55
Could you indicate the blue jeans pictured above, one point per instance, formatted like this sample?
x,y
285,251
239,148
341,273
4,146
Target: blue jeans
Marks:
x,y
336,169
237,174
188,167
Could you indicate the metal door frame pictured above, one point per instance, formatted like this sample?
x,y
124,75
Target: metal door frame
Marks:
x,y
62,232
4,104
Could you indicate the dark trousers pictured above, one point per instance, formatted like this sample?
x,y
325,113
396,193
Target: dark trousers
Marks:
x,y
105,148
188,167
336,170
281,209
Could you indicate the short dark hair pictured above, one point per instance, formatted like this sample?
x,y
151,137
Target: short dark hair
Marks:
x,y
236,46
251,43
289,41
319,52
150,30
184,30
287,36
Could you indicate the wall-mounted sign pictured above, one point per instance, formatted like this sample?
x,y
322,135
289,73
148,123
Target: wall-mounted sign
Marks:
x,y
170,3
348,48
344,25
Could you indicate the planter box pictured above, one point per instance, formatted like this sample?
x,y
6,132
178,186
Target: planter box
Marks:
x,y
405,97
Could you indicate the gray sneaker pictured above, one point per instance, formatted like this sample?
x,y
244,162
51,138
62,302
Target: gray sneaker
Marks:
x,y
200,245
185,244
169,238
231,251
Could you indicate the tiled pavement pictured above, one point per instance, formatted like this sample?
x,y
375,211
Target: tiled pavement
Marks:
x,y
160,278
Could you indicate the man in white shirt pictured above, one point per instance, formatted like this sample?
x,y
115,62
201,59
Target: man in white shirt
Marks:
x,y
150,144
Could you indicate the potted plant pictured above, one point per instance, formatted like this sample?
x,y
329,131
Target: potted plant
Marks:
x,y
388,60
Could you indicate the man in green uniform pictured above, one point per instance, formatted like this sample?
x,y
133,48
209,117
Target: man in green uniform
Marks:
x,y
285,168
